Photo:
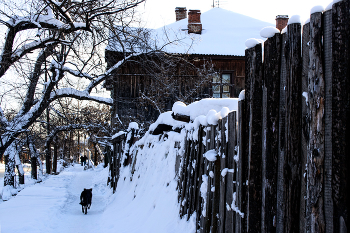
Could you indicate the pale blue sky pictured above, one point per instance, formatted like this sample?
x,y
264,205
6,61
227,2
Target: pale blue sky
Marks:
x,y
161,12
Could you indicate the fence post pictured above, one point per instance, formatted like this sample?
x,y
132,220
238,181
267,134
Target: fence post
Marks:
x,y
201,172
254,71
241,163
292,165
315,160
281,141
327,43
272,61
223,152
341,115
230,135
305,123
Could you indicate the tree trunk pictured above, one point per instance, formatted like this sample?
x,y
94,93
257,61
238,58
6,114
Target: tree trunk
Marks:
x,y
54,168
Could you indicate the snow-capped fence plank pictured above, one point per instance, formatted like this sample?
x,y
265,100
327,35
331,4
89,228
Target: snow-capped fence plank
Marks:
x,y
192,182
254,74
114,160
327,41
272,56
184,182
341,115
243,124
216,180
292,166
199,175
305,121
281,141
230,140
315,157
223,156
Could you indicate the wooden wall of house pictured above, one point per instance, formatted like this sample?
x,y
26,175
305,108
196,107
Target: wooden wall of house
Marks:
x,y
144,88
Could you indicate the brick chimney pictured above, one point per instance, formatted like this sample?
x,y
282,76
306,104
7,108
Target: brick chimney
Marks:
x,y
281,21
181,13
194,22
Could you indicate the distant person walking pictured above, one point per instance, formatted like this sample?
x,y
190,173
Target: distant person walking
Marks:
x,y
83,160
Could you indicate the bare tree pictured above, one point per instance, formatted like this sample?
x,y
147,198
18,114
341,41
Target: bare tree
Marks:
x,y
52,47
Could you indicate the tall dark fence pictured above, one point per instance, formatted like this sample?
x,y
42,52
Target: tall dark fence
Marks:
x,y
292,153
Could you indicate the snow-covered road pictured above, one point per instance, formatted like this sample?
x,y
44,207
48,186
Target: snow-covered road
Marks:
x,y
53,205
144,202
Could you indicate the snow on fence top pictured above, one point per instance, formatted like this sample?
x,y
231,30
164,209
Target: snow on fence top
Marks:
x,y
210,108
268,32
316,9
294,19
204,112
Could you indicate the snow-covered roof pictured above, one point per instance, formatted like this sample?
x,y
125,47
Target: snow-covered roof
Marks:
x,y
224,33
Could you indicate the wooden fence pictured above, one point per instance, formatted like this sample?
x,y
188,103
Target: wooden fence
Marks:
x,y
291,170
206,185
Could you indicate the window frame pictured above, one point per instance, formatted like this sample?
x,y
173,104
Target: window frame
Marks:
x,y
221,84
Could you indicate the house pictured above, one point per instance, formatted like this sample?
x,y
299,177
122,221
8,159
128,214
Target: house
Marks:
x,y
212,43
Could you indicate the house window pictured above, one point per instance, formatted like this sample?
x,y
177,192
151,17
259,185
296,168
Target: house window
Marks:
x,y
221,86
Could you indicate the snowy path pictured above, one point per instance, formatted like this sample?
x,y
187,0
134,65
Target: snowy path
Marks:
x,y
53,205
144,203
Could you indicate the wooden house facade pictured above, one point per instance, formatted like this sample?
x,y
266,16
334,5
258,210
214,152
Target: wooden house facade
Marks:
x,y
148,85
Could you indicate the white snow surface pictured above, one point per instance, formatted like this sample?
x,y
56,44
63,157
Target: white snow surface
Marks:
x,y
294,19
205,106
269,31
317,9
329,7
250,43
224,33
242,95
148,203
210,155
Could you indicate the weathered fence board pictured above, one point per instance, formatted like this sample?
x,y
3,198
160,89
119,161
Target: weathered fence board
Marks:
x,y
341,114
231,143
254,74
243,125
305,122
327,41
292,166
272,56
281,141
315,160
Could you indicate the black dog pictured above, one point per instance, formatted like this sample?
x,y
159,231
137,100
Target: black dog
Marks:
x,y
85,200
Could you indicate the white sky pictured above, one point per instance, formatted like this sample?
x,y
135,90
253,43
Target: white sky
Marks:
x,y
158,13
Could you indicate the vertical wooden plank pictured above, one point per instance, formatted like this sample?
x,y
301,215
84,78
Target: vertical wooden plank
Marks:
x,y
187,195
327,48
305,123
222,147
281,141
255,138
190,200
230,136
206,221
341,115
185,176
272,56
217,177
200,174
292,169
315,162
240,163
